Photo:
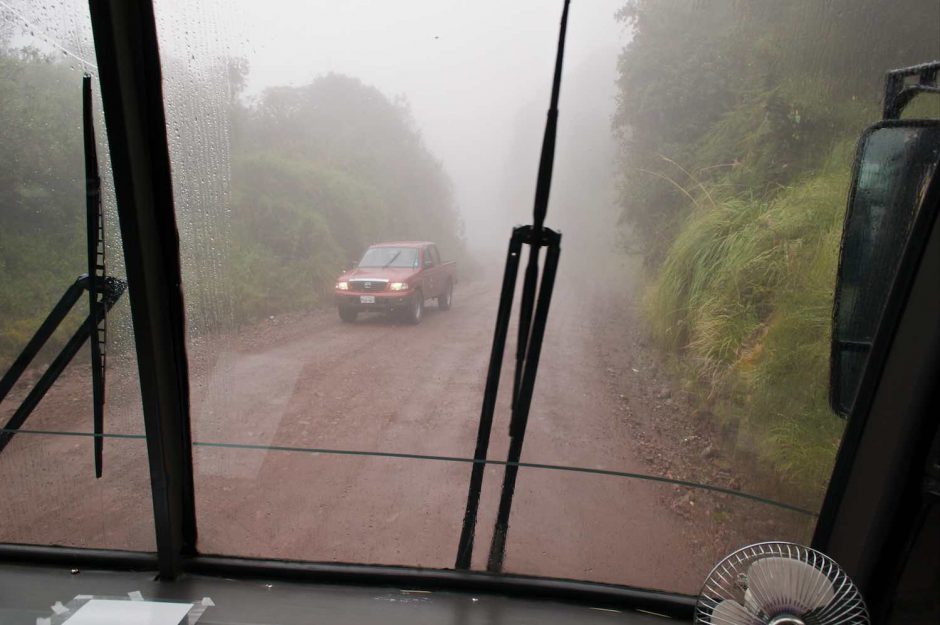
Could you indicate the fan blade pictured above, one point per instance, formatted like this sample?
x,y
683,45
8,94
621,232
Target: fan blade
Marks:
x,y
779,582
785,585
730,612
749,601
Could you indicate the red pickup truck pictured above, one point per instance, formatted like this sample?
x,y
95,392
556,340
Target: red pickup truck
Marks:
x,y
396,277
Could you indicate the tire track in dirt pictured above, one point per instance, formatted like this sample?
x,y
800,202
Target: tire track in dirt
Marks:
x,y
389,393
603,528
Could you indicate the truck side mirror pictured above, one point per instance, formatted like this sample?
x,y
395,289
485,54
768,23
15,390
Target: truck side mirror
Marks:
x,y
894,165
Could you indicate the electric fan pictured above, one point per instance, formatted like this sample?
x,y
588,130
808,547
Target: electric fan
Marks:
x,y
779,583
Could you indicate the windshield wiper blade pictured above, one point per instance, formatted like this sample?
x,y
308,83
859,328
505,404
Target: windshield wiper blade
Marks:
x,y
533,316
392,259
97,320
103,292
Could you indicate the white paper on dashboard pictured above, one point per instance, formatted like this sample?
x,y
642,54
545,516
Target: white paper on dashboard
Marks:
x,y
117,612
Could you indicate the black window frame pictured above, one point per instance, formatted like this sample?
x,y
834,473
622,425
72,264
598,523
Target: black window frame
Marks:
x,y
130,77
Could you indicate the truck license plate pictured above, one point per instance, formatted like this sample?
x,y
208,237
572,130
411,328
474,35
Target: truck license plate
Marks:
x,y
367,299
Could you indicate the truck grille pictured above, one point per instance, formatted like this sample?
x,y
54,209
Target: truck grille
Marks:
x,y
367,286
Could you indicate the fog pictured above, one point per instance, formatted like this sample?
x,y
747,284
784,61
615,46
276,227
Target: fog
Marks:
x,y
476,76
299,132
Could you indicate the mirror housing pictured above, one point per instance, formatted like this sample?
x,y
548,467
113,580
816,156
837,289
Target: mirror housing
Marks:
x,y
895,164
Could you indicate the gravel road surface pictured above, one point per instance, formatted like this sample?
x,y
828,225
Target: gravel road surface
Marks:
x,y
314,383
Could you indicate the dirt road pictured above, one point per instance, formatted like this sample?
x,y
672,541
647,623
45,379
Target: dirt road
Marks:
x,y
313,382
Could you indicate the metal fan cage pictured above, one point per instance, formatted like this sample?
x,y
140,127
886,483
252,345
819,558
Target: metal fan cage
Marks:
x,y
729,581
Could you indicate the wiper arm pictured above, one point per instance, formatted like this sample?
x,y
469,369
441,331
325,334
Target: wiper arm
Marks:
x,y
533,317
103,292
392,259
97,323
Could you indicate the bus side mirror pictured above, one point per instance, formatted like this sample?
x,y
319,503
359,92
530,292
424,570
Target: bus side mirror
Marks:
x,y
894,165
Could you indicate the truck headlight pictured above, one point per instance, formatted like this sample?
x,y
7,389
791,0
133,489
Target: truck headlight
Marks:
x,y
398,286
342,286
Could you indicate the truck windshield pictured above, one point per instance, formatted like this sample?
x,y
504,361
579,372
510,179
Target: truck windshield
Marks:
x,y
704,152
390,257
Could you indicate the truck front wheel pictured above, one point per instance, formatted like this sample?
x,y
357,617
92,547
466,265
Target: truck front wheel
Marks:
x,y
415,312
348,314
445,299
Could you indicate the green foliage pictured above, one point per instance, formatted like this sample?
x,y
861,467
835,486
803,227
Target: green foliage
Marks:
x,y
42,200
736,120
287,218
745,295
760,88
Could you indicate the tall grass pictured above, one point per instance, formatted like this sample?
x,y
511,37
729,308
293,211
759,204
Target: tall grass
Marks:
x,y
744,298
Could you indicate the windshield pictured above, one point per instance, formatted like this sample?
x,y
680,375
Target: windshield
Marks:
x,y
390,257
680,410
48,458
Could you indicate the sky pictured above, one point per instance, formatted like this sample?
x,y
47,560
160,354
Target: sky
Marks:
x,y
476,74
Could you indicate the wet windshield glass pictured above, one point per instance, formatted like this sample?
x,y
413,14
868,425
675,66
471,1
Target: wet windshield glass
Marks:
x,y
48,453
703,157
390,257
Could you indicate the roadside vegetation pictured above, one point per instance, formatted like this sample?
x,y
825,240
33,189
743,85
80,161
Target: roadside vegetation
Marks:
x,y
42,193
318,172
737,123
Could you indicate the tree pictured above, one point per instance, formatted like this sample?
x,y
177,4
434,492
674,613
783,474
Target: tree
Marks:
x,y
41,190
748,93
